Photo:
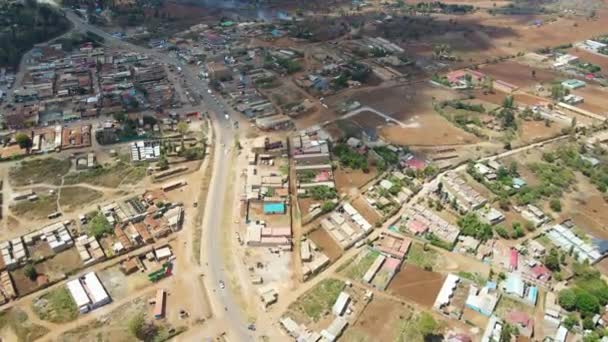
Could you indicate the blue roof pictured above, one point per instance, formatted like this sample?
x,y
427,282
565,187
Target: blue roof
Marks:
x,y
519,181
515,285
491,285
532,294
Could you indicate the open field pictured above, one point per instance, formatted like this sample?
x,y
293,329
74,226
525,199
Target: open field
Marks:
x,y
587,208
109,176
74,197
380,321
357,268
326,244
47,170
365,210
518,74
315,303
56,306
118,325
120,285
417,285
348,179
15,326
35,210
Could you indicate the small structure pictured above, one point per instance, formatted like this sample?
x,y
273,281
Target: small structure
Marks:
x,y
96,291
483,300
447,289
514,285
341,304
159,305
573,84
335,329
79,295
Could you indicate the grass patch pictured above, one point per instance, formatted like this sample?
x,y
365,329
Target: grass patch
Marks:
x,y
47,170
474,277
417,256
17,321
72,197
39,209
109,176
56,306
357,269
314,303
506,305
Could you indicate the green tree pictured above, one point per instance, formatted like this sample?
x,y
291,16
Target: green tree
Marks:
x,y
427,324
555,205
30,271
567,299
586,303
508,102
23,140
163,163
99,226
142,330
552,260
182,128
570,321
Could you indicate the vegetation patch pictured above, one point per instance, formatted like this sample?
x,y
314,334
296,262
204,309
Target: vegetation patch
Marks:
x,y
56,306
357,269
72,197
46,170
349,158
35,210
318,300
109,176
422,257
17,322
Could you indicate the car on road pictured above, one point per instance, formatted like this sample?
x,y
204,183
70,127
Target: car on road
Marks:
x,y
227,117
222,285
209,91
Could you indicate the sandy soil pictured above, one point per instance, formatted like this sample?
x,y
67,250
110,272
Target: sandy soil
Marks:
x,y
587,208
518,74
326,244
378,322
347,179
366,210
417,285
429,130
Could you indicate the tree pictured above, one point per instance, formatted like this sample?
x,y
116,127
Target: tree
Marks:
x,y
141,329
182,128
570,322
567,299
555,205
427,324
552,260
163,163
586,303
99,226
508,102
24,141
120,117
30,271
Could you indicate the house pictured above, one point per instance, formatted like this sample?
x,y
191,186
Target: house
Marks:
x,y
493,330
341,304
446,292
518,183
541,272
492,216
573,84
218,71
514,285
521,320
394,244
483,300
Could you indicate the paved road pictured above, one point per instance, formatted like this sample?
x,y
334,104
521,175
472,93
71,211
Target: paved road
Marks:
x,y
222,302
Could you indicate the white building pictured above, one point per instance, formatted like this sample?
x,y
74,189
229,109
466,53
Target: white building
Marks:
x,y
79,295
97,293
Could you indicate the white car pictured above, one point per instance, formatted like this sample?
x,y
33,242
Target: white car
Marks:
x,y
227,117
209,91
222,285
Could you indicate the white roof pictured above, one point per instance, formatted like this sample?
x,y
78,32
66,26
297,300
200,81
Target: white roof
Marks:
x,y
98,293
340,304
561,334
78,293
164,252
446,290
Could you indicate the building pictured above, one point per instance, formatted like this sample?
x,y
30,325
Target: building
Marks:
x,y
259,235
493,330
335,329
374,268
573,84
159,305
218,71
483,300
394,245
565,239
145,150
446,292
79,295
341,304
492,216
514,285
458,190
97,293
420,220
521,320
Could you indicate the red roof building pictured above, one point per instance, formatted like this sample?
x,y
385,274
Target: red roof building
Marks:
x,y
513,259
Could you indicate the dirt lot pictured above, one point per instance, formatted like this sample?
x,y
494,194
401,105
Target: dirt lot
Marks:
x,y
348,179
49,270
74,197
417,285
365,210
119,285
380,321
34,210
15,326
595,98
531,131
326,244
427,130
518,74
47,170
587,208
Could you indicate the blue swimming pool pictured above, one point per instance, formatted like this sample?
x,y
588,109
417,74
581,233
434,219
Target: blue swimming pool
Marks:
x,y
274,208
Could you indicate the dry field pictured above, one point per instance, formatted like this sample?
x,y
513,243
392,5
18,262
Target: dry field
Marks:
x,y
417,285
365,210
348,179
326,244
380,321
595,98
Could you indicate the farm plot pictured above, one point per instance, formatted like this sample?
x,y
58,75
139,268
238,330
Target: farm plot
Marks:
x,y
326,244
417,285
46,170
